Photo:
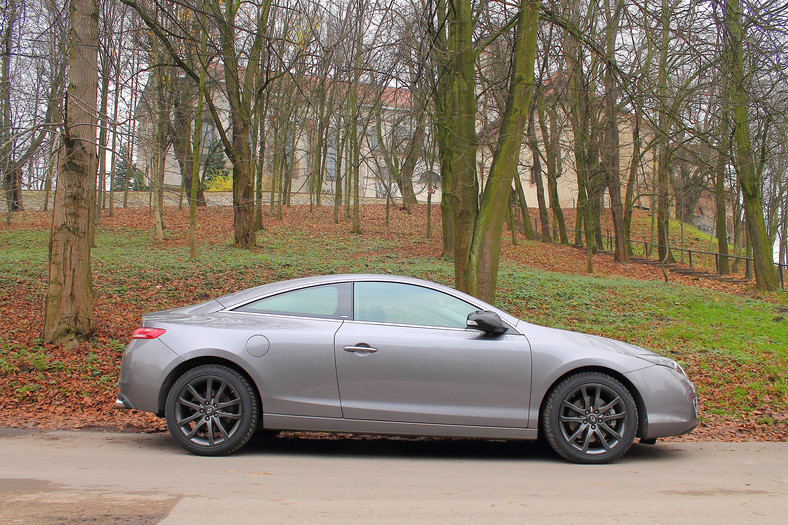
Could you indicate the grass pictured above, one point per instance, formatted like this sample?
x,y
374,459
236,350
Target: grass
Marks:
x,y
694,239
734,346
739,345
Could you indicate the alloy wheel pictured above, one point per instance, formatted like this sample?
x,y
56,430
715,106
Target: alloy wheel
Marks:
x,y
211,410
590,417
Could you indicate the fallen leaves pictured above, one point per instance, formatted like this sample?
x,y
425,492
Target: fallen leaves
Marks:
x,y
46,386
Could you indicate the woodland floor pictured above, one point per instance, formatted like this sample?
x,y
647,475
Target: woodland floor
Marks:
x,y
738,363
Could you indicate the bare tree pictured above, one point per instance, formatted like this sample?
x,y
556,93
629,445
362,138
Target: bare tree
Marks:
x,y
748,175
478,225
237,26
25,125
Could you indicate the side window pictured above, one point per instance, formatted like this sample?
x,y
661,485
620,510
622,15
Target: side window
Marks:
x,y
398,303
327,301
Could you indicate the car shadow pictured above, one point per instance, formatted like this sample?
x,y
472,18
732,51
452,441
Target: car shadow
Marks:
x,y
347,445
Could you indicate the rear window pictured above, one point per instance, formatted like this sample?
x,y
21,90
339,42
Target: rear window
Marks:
x,y
326,301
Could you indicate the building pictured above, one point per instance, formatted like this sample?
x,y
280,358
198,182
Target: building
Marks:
x,y
297,113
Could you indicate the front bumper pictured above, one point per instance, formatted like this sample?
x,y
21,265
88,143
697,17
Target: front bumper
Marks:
x,y
669,400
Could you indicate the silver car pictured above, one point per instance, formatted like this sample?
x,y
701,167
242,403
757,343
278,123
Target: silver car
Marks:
x,y
380,354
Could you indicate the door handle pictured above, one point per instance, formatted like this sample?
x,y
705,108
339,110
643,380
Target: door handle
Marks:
x,y
361,347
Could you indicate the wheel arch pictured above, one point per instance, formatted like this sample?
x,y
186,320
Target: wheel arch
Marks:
x,y
185,366
639,403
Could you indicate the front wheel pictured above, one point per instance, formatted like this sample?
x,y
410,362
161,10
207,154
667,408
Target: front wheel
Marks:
x,y
590,418
211,410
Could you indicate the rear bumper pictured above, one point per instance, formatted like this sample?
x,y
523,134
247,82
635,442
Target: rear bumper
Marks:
x,y
146,364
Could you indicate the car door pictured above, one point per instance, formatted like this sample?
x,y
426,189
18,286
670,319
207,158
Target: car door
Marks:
x,y
406,356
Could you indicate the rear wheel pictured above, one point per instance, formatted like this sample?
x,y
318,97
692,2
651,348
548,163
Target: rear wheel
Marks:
x,y
590,418
212,410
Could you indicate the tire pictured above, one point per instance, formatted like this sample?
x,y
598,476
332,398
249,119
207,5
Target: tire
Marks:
x,y
590,418
211,410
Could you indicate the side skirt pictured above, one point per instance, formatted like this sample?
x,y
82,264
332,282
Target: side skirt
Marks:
x,y
359,426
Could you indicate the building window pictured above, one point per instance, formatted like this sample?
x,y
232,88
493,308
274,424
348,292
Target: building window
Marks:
x,y
331,163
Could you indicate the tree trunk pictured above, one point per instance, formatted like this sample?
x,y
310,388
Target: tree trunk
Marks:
x,y
462,143
10,176
415,151
528,230
536,174
196,148
348,176
68,311
183,116
550,139
721,219
12,180
616,207
629,196
49,175
579,113
318,159
783,249
612,156
102,141
132,136
354,162
737,228
160,152
243,186
510,223
448,202
442,54
115,104
276,166
355,140
240,97
260,168
749,179
340,141
480,273
663,135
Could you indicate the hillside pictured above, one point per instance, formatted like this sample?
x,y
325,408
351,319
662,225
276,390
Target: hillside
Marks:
x,y
732,339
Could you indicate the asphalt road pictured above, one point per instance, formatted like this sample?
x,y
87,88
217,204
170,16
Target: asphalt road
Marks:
x,y
77,477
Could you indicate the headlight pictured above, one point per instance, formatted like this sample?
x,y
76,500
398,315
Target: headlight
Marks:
x,y
664,361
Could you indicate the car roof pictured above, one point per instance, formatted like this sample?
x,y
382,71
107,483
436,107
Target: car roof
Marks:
x,y
243,296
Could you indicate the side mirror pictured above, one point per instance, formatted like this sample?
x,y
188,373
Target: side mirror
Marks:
x,y
486,321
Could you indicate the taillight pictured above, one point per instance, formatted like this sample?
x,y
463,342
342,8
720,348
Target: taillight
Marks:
x,y
147,333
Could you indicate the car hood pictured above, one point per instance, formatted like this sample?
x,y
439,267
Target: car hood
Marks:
x,y
581,340
604,343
